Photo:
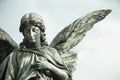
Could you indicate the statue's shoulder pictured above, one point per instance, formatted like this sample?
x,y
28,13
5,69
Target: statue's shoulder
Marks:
x,y
22,56
54,53
22,52
17,51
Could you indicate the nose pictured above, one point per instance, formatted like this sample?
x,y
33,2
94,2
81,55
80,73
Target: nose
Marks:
x,y
32,32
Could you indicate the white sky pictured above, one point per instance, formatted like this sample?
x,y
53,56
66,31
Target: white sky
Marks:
x,y
98,52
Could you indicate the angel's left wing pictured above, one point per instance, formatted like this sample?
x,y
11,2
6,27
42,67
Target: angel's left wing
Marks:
x,y
7,45
74,33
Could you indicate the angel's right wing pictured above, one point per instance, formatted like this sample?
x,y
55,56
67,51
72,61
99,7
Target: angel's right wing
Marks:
x,y
7,45
71,35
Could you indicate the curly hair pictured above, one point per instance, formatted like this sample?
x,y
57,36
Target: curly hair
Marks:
x,y
37,21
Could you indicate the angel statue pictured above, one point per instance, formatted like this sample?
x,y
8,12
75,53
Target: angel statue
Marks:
x,y
34,59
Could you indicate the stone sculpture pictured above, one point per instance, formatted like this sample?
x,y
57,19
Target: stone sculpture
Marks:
x,y
34,59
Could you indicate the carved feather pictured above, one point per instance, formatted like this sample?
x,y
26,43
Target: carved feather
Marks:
x,y
74,33
7,45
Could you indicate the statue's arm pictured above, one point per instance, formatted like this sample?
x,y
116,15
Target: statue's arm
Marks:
x,y
61,74
55,72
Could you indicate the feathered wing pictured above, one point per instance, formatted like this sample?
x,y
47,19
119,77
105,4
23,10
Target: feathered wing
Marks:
x,y
71,35
7,45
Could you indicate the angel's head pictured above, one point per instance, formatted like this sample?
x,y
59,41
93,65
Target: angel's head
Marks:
x,y
33,28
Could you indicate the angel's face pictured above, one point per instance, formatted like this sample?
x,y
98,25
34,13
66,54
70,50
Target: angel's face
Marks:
x,y
32,33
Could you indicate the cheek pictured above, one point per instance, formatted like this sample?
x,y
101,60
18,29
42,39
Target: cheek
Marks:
x,y
37,34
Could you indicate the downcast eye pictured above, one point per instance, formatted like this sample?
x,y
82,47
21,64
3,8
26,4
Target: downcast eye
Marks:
x,y
33,30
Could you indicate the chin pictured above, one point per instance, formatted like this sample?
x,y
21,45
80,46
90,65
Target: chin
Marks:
x,y
32,41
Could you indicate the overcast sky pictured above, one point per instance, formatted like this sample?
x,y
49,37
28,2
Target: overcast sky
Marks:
x,y
98,52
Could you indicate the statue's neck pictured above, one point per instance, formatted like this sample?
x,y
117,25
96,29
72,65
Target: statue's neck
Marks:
x,y
35,45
